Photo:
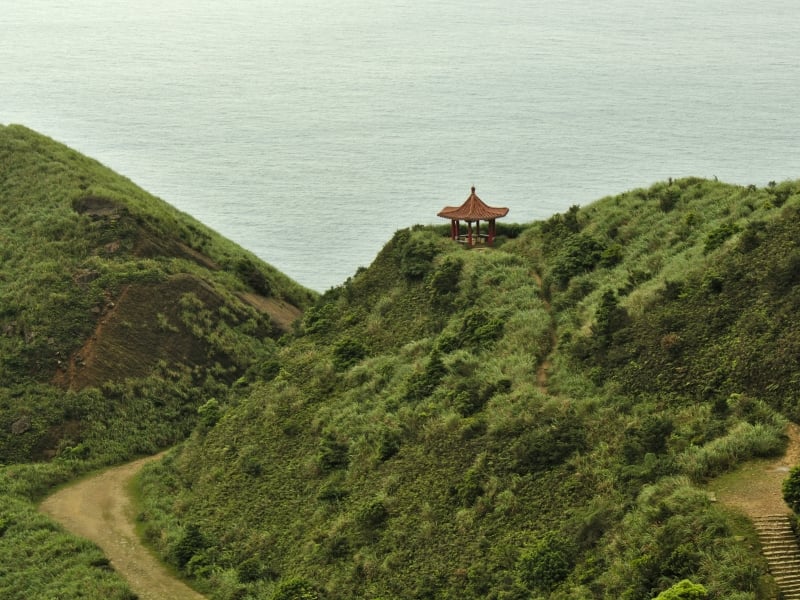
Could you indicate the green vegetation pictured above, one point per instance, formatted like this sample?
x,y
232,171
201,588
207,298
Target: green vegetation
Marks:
x,y
791,489
531,421
38,560
119,317
684,590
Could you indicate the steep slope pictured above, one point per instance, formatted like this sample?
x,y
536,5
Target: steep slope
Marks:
x,y
407,444
120,319
102,284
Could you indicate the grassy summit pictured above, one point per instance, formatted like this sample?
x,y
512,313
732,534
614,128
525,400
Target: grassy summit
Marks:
x,y
531,421
119,317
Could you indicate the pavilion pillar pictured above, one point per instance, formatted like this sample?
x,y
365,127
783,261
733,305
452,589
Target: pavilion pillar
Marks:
x,y
469,233
491,232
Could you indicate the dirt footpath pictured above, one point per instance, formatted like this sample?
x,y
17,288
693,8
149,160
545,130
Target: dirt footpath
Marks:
x,y
755,488
99,508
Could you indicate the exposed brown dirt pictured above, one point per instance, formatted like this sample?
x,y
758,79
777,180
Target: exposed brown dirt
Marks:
x,y
128,340
100,508
282,314
755,488
142,325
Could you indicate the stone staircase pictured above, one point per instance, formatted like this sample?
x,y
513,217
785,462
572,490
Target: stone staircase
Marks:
x,y
780,547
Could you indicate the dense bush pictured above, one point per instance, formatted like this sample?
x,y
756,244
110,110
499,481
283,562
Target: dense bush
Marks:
x,y
684,590
295,589
347,352
209,413
578,254
443,281
415,251
545,564
423,381
548,445
610,318
718,236
191,543
478,328
669,197
791,489
333,453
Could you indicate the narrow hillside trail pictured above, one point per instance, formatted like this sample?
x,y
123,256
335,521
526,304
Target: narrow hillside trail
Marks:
x,y
100,509
756,490
543,371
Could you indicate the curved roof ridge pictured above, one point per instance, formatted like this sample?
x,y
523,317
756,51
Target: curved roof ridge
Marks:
x,y
473,209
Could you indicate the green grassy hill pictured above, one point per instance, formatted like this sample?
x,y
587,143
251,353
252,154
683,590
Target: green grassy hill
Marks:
x,y
530,421
536,420
119,317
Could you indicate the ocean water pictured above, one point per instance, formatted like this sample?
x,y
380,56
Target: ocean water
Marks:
x,y
308,131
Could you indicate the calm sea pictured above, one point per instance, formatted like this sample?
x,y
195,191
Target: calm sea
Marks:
x,y
309,131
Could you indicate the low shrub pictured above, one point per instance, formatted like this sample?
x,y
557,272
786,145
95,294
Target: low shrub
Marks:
x,y
717,237
578,254
295,588
546,564
791,489
332,454
190,544
684,590
347,352
548,445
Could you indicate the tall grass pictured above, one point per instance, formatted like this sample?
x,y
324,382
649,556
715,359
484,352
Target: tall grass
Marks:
x,y
743,442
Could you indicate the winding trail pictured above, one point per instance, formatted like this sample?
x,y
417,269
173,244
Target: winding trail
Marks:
x,y
100,509
755,490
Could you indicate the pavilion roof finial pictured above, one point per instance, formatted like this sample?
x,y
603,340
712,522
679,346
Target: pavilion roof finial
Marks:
x,y
473,189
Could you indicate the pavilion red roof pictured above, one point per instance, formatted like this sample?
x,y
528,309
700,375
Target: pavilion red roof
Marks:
x,y
473,209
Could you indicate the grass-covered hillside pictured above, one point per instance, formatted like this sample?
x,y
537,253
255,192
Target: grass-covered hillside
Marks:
x,y
531,421
119,317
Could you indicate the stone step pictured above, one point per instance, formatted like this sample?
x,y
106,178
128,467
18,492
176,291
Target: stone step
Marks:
x,y
780,548
778,544
785,557
782,559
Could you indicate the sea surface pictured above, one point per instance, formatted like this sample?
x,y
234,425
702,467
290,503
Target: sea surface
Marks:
x,y
309,131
